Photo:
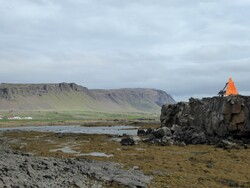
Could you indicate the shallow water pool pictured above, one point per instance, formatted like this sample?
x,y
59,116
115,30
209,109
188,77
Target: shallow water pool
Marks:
x,y
112,130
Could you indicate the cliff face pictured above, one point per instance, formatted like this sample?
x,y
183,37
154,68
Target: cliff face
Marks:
x,y
209,119
142,98
9,91
73,96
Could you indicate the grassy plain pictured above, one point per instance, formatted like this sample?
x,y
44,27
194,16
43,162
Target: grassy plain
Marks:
x,y
91,118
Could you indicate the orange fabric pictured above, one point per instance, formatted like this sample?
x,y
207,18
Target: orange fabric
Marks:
x,y
231,89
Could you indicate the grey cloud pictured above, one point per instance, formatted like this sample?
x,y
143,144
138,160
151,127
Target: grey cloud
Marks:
x,y
188,48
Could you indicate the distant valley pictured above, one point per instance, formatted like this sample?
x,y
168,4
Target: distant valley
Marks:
x,y
70,96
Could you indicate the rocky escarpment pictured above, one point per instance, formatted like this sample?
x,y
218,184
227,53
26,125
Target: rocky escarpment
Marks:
x,y
217,120
10,91
72,96
143,98
18,169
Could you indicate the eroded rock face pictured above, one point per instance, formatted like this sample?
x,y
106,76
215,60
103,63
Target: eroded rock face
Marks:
x,y
10,91
209,119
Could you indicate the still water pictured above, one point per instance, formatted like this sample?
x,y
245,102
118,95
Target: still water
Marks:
x,y
112,130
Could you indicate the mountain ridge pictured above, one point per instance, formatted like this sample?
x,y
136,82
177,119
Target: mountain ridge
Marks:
x,y
50,96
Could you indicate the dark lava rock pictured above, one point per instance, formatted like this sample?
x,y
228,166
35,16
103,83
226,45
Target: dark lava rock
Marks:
x,y
208,120
199,138
127,141
149,131
167,141
161,132
141,132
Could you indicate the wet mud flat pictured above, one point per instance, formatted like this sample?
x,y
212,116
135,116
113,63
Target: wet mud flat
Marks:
x,y
170,166
22,169
111,130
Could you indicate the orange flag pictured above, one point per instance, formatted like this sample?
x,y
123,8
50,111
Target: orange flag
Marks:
x,y
231,89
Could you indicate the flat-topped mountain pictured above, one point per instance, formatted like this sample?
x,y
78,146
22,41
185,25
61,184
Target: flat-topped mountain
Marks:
x,y
70,96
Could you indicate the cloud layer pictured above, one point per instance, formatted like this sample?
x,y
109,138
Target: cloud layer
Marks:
x,y
188,48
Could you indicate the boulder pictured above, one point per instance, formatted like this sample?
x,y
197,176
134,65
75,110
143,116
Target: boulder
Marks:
x,y
199,138
179,143
167,141
149,131
226,144
161,132
127,141
174,128
149,138
141,132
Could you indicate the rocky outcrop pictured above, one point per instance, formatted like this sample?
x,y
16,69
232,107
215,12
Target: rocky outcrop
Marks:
x,y
209,120
18,169
136,95
10,91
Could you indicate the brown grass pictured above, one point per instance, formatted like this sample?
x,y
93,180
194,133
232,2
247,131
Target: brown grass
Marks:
x,y
86,123
171,166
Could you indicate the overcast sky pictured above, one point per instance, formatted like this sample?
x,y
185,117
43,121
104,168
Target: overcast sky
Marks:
x,y
189,48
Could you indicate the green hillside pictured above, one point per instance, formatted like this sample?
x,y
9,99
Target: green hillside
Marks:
x,y
63,96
